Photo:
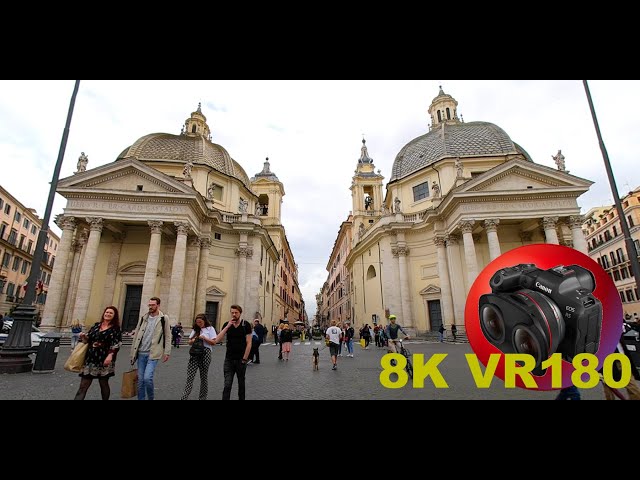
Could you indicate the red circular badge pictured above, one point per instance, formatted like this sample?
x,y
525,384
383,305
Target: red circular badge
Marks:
x,y
538,299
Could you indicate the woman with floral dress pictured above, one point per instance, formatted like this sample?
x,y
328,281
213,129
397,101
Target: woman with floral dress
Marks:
x,y
104,339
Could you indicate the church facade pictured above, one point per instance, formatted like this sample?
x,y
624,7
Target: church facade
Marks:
x,y
458,197
174,216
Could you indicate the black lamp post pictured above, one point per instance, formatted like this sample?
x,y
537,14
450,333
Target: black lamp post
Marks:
x,y
14,355
632,254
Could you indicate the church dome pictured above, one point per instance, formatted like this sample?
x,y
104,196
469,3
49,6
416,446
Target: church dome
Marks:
x,y
450,137
191,145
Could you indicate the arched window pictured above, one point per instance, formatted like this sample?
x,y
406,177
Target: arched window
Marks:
x,y
268,288
193,129
448,114
439,116
371,272
260,278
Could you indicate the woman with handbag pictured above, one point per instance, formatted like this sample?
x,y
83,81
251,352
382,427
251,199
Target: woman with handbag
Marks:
x,y
202,338
104,340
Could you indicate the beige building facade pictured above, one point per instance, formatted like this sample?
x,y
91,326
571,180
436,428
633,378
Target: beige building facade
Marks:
x,y
19,230
336,297
174,216
458,197
606,245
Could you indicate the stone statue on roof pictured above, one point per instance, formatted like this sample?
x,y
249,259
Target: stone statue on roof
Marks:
x,y
83,160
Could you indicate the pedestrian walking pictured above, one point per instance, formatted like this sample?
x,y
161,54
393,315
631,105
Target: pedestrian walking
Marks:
x,y
203,331
238,332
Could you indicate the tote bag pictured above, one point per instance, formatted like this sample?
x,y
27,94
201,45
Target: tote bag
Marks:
x,y
129,384
75,362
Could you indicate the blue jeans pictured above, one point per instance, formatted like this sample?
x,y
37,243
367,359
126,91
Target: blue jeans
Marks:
x,y
146,369
350,346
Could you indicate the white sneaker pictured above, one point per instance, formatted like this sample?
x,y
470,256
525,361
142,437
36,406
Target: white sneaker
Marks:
x,y
339,354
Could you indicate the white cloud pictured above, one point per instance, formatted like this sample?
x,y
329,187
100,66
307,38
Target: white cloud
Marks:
x,y
311,131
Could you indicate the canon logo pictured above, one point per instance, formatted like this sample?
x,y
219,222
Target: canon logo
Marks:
x,y
543,288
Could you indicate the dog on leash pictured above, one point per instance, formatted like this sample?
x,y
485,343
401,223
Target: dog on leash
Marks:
x,y
316,358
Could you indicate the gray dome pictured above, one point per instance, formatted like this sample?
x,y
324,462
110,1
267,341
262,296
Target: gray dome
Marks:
x,y
472,139
201,151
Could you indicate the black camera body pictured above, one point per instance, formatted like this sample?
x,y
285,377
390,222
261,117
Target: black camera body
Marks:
x,y
542,312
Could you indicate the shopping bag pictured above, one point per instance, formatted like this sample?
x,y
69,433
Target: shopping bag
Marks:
x,y
75,362
129,384
362,342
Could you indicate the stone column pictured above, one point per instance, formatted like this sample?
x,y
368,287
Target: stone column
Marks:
x,y
60,318
243,251
54,295
190,281
85,280
112,269
491,226
445,283
401,251
78,256
466,227
177,272
550,232
456,276
151,268
201,287
579,242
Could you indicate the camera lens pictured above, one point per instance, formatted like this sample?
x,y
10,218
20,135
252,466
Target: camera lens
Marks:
x,y
493,322
525,342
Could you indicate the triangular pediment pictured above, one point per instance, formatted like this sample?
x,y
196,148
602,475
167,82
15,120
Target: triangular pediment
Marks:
x,y
122,176
430,290
216,292
519,175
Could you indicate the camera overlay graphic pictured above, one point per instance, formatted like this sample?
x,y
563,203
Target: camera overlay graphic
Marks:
x,y
542,300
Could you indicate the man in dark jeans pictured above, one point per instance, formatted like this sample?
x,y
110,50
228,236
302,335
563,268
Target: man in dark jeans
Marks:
x,y
238,334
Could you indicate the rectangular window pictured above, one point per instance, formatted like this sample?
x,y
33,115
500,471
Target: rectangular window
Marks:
x,y
4,226
629,296
21,242
217,236
1,205
33,229
10,289
25,267
16,263
6,259
616,275
26,223
29,246
637,244
613,258
620,255
18,216
7,209
13,236
624,273
630,220
622,297
420,191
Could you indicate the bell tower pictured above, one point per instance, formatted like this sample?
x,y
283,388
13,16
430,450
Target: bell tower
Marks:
x,y
443,110
270,191
366,192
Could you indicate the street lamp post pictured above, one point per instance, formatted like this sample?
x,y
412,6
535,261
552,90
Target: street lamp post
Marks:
x,y
14,355
632,254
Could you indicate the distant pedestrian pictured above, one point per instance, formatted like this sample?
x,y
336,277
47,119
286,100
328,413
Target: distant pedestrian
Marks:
x,y
441,330
286,338
333,335
76,329
454,330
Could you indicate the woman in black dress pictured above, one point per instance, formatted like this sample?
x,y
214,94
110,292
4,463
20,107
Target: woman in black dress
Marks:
x,y
104,339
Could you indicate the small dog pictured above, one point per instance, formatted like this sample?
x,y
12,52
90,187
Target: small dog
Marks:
x,y
316,357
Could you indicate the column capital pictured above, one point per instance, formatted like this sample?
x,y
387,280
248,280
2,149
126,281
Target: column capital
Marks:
x,y
439,240
400,251
95,224
205,242
244,252
491,224
576,221
182,228
66,223
466,226
155,226
549,222
452,240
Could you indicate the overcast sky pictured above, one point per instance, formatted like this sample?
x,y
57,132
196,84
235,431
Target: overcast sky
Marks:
x,y
311,131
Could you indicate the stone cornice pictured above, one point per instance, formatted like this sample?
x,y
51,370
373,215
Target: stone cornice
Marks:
x,y
124,173
519,172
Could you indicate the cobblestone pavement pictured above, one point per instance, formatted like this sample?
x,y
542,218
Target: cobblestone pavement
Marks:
x,y
355,378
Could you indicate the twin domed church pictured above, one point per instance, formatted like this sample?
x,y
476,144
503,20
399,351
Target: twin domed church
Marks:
x,y
458,197
174,216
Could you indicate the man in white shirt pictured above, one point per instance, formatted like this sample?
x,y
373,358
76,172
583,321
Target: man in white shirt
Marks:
x,y
333,335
